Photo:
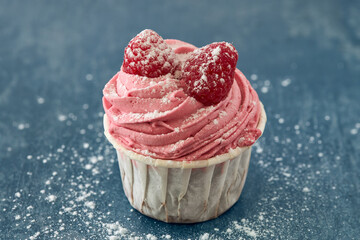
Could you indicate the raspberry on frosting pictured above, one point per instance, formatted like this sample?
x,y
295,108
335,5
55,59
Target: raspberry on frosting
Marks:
x,y
149,55
209,72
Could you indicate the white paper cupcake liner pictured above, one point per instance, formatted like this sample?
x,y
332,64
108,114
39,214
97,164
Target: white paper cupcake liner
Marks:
x,y
179,191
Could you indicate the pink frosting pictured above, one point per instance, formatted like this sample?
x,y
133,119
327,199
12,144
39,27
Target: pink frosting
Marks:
x,y
155,117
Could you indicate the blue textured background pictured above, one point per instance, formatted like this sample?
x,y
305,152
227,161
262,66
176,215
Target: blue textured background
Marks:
x,y
58,174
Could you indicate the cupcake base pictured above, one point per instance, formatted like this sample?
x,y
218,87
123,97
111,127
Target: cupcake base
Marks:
x,y
180,195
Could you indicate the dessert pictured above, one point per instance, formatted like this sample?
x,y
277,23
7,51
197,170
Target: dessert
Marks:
x,y
182,120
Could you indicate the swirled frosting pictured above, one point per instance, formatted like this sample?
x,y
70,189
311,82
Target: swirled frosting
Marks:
x,y
156,118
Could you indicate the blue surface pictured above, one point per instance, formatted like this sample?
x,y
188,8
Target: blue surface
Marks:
x,y
59,178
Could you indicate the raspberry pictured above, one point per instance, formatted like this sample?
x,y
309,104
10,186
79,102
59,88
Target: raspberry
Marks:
x,y
209,72
148,55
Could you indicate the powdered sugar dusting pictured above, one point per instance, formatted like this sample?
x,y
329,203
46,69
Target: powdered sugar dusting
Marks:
x,y
40,100
90,204
204,236
62,117
51,198
35,236
149,236
286,82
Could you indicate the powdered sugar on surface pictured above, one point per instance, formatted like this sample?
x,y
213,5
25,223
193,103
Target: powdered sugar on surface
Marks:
x,y
204,236
51,198
40,100
286,82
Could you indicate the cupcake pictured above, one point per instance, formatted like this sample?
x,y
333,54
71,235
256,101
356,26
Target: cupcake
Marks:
x,y
182,120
